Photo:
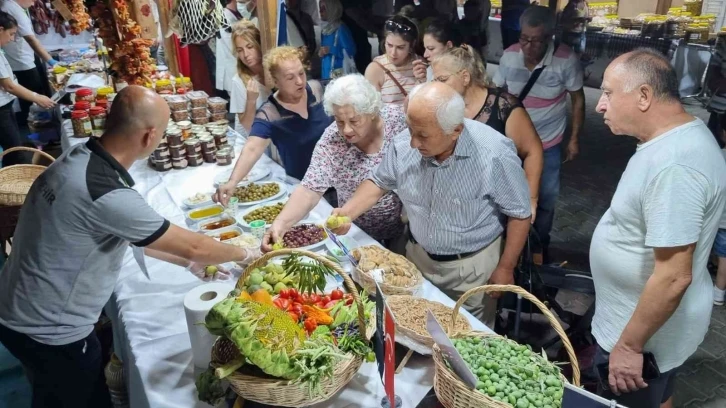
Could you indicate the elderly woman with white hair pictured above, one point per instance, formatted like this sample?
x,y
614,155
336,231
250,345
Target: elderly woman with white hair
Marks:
x,y
345,155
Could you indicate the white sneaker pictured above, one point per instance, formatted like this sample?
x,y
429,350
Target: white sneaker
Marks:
x,y
718,296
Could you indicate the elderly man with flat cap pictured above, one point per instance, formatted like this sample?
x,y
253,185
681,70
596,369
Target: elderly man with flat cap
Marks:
x,y
650,249
459,182
78,220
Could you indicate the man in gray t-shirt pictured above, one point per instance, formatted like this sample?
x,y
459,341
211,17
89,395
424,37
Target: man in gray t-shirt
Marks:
x,y
74,228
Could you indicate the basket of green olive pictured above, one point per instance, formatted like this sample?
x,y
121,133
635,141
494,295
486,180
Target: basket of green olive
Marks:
x,y
253,192
267,213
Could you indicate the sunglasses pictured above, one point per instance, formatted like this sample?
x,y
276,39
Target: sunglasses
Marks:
x,y
396,27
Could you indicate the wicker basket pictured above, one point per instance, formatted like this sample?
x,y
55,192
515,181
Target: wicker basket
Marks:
x,y
369,284
401,304
259,387
452,391
15,180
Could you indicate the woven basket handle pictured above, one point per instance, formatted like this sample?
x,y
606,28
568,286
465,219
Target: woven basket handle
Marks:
x,y
27,149
262,261
545,311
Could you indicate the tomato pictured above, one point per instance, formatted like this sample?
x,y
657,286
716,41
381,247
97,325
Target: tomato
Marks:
x,y
294,316
325,299
336,294
297,308
310,325
314,298
330,304
300,299
293,293
282,304
284,293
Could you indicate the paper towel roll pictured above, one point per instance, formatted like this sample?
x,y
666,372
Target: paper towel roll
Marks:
x,y
196,305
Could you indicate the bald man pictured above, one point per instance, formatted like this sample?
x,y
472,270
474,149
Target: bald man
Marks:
x,y
457,179
78,220
650,249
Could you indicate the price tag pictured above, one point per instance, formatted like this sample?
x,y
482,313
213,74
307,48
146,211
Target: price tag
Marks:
x,y
63,10
450,353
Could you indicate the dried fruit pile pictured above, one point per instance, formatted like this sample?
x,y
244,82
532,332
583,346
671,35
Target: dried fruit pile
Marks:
x,y
81,20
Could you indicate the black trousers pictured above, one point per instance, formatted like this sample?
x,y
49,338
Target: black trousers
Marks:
x,y
509,37
32,80
67,376
10,137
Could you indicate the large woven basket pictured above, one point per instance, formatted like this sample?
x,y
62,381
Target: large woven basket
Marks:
x,y
402,304
15,180
451,391
369,284
269,390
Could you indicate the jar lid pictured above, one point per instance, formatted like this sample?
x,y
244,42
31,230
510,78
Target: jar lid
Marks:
x,y
82,105
219,132
205,138
84,92
98,110
104,91
79,114
184,124
173,132
191,141
102,103
163,82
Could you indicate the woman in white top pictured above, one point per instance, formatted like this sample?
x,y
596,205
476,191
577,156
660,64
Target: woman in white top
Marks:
x,y
225,50
9,89
248,85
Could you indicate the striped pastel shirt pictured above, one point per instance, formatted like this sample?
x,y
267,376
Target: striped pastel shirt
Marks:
x,y
546,102
390,92
718,62
457,206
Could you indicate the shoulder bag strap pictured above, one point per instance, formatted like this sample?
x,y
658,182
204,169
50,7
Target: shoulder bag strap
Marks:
x,y
535,75
395,81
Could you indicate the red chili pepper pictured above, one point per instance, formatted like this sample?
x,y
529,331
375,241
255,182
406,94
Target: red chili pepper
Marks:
x,y
310,325
285,293
282,304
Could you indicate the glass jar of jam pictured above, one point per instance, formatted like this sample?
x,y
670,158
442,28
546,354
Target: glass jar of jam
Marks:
x,y
210,157
225,156
81,123
160,154
220,137
193,146
178,152
195,160
174,137
98,120
164,87
179,164
207,141
102,93
162,165
186,128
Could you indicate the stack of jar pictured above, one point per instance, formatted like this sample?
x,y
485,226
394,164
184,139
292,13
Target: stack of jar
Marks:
x,y
89,112
160,159
217,109
183,85
179,107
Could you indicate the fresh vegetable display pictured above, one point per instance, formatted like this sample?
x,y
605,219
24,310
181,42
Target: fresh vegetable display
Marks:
x,y
511,372
271,278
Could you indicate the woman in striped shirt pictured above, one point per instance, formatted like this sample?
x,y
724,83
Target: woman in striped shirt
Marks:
x,y
392,73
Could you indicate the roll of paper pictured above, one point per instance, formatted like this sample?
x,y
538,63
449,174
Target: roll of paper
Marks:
x,y
197,303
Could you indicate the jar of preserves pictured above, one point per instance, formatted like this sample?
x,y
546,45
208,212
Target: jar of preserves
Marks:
x,y
102,93
210,157
179,164
193,146
160,154
220,137
225,156
82,106
98,120
178,151
103,103
186,128
208,145
195,160
164,87
174,136
84,94
81,123
162,165
183,84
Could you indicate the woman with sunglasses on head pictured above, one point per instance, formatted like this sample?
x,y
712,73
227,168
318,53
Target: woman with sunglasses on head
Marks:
x,y
248,85
440,35
9,89
392,72
292,118
461,68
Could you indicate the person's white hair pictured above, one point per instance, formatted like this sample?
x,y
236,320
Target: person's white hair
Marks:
x,y
354,90
449,112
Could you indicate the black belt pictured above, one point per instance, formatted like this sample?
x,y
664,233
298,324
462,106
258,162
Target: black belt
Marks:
x,y
443,258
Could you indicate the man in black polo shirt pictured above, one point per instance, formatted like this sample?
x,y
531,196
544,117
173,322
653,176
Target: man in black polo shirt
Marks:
x,y
77,222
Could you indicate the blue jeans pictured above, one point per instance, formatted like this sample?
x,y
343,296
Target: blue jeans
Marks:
x,y
549,189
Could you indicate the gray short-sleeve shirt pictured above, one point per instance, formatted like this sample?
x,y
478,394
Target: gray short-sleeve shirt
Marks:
x,y
77,222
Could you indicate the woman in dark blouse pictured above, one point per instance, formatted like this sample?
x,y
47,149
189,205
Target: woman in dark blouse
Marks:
x,y
462,69
293,119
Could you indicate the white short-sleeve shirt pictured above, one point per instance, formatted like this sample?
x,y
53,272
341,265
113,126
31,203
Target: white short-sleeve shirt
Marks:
x,y
5,72
672,193
18,53
238,100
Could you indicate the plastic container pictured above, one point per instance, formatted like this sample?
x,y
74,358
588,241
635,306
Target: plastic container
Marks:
x,y
198,99
183,85
102,93
257,228
216,223
217,104
81,123
177,102
174,137
197,113
84,94
201,121
180,115
98,120
217,116
82,106
193,146
178,151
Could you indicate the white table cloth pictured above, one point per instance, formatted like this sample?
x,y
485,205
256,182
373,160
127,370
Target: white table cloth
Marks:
x,y
150,332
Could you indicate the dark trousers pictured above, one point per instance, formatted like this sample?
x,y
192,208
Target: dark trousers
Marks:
x,y
67,376
10,137
32,80
509,37
549,190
